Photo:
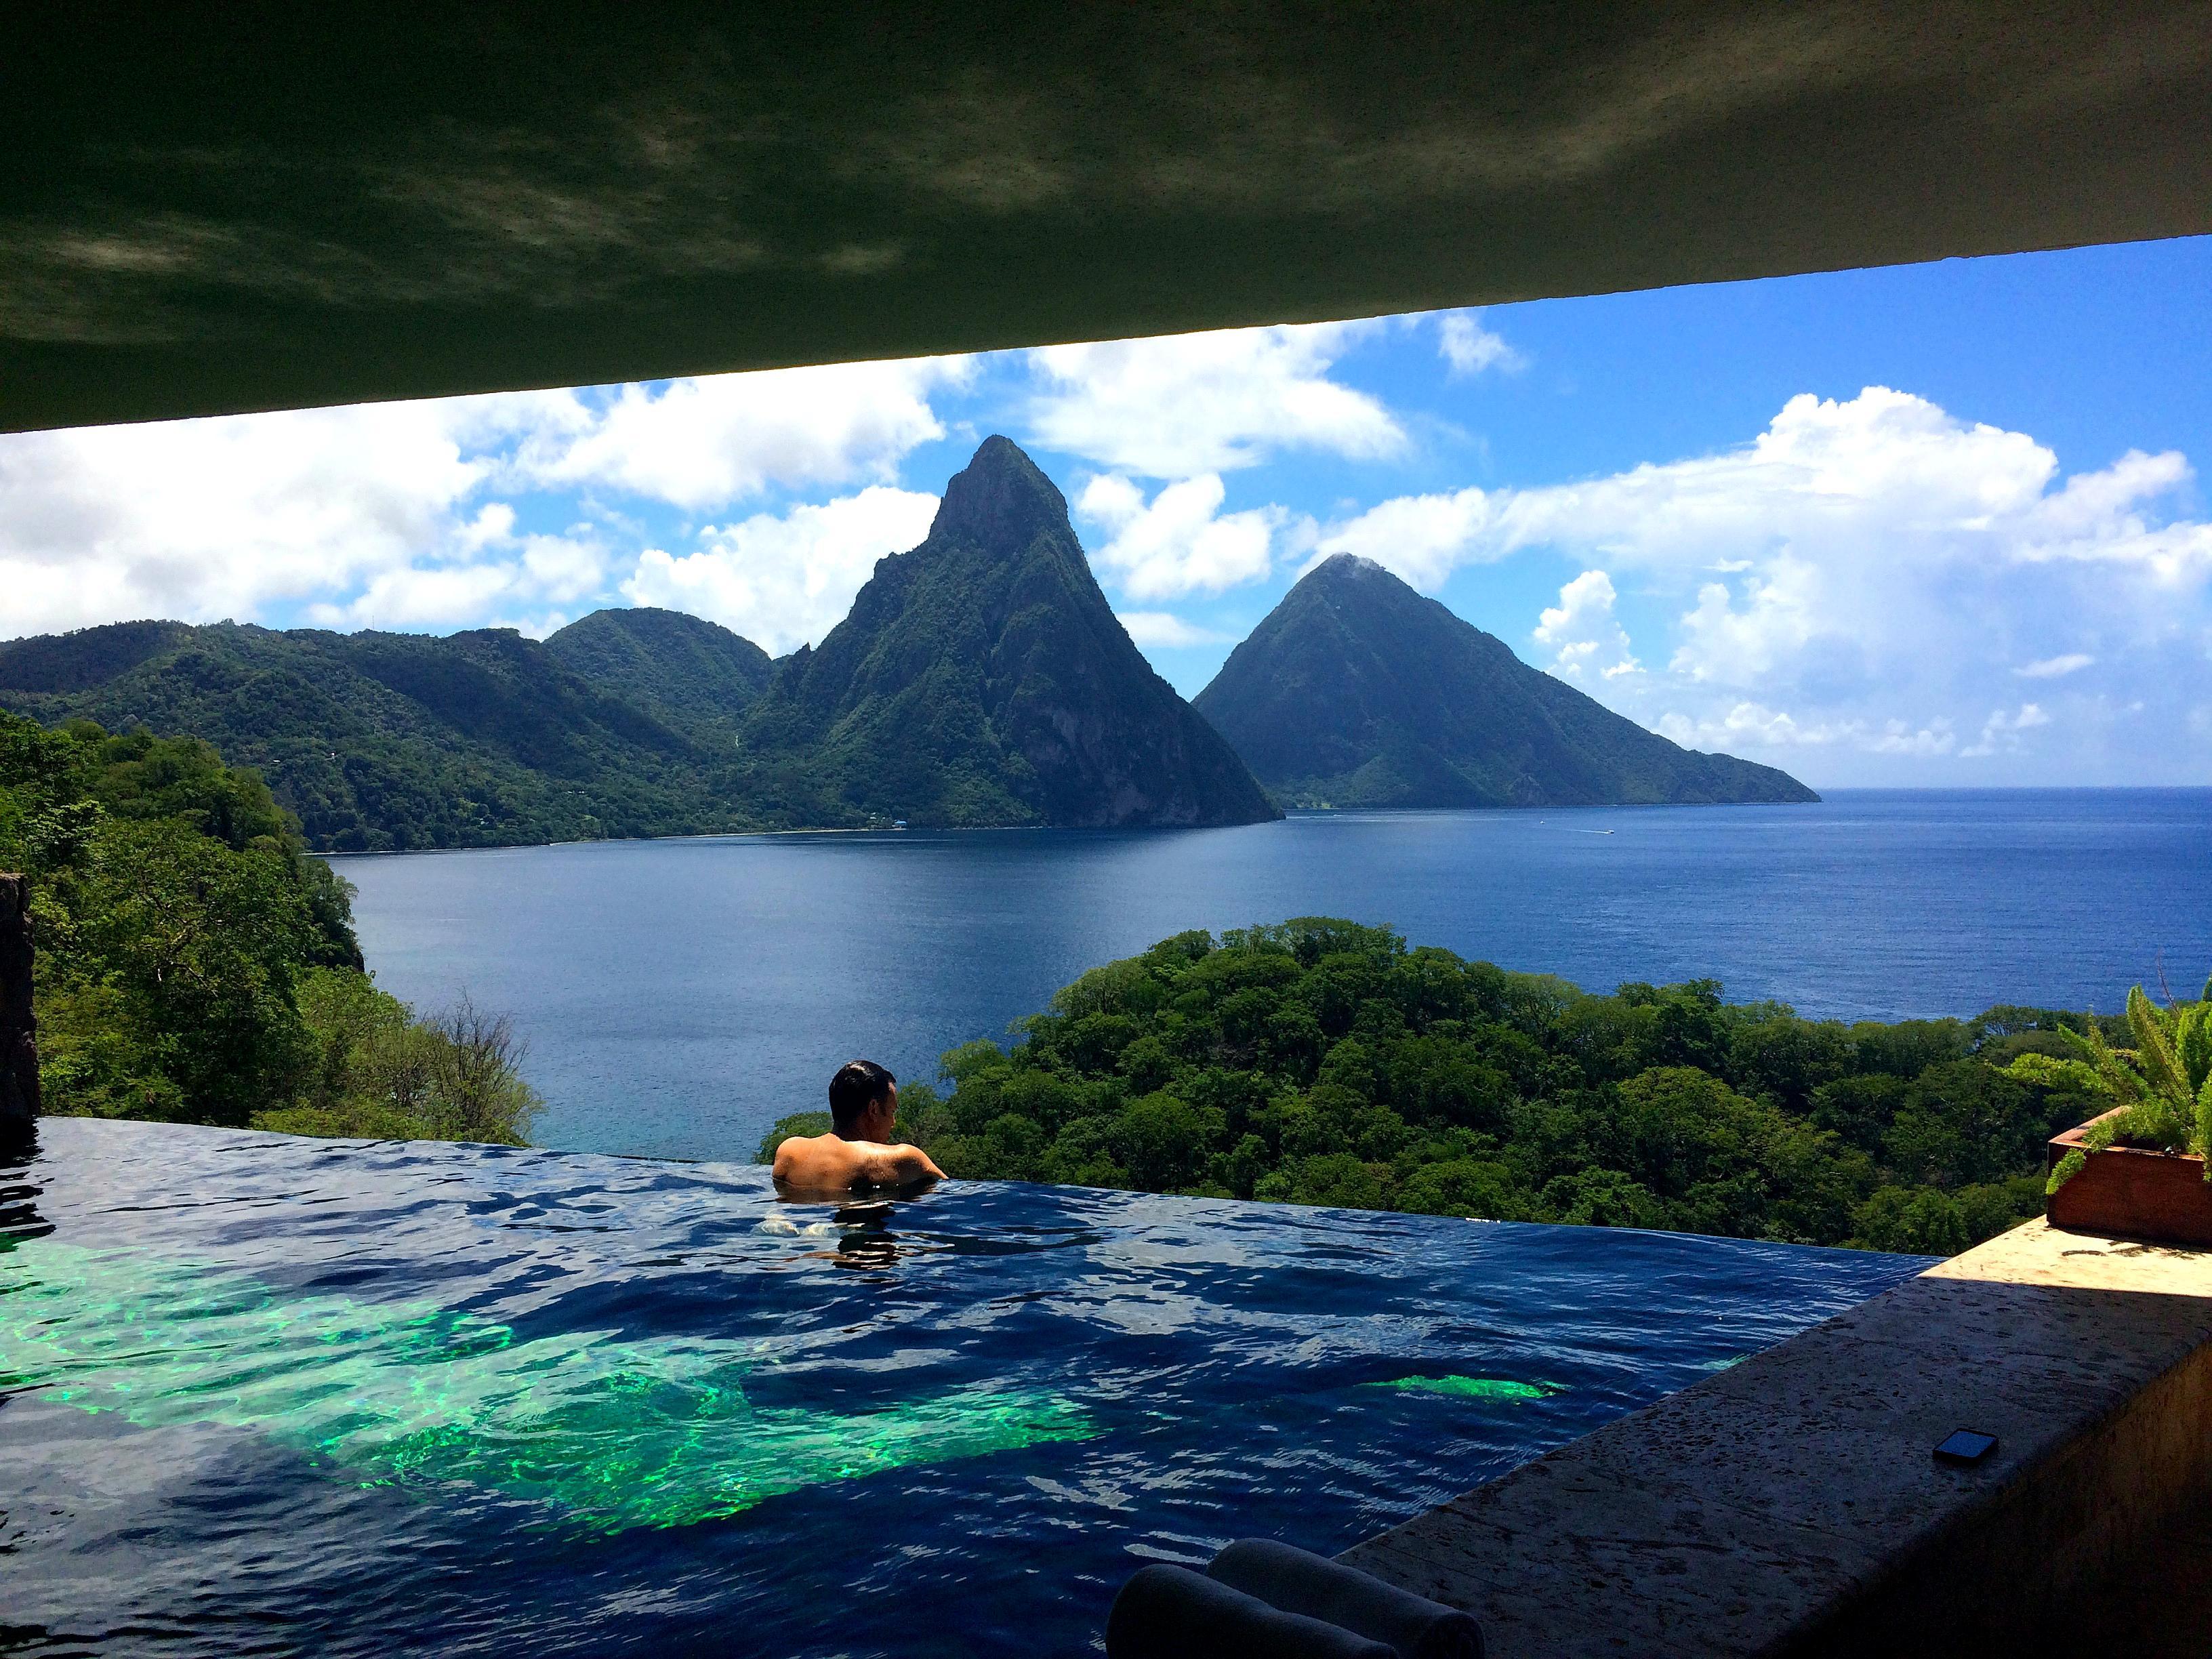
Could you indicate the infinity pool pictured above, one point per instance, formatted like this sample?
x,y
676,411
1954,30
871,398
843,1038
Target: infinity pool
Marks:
x,y
268,1395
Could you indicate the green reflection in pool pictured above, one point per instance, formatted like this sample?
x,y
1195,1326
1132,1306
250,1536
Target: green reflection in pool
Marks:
x,y
619,1434
1470,1388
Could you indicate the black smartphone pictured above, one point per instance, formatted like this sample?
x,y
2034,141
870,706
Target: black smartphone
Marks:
x,y
1966,1446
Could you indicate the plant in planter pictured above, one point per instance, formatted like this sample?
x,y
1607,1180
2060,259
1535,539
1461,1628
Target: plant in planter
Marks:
x,y
2160,1091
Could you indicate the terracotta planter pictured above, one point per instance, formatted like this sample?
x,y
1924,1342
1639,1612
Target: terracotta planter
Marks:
x,y
2124,1190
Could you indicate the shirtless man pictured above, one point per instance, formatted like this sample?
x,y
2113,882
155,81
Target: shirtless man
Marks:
x,y
856,1152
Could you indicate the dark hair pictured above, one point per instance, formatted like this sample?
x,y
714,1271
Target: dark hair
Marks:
x,y
858,1085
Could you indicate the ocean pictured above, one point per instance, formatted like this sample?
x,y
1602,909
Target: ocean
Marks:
x,y
676,997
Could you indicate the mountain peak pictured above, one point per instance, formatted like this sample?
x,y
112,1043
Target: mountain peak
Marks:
x,y
1357,691
1348,564
1000,500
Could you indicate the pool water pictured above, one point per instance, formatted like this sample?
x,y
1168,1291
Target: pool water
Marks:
x,y
259,1394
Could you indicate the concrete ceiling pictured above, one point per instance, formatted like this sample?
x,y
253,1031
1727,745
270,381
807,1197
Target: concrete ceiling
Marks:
x,y
247,207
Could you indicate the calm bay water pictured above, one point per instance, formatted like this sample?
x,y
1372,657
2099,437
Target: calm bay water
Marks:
x,y
678,996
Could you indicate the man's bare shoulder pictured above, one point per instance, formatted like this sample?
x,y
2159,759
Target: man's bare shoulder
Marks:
x,y
809,1160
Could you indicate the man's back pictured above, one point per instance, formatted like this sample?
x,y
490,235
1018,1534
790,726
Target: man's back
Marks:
x,y
830,1162
858,1151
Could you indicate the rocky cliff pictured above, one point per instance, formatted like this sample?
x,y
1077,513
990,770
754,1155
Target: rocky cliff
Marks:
x,y
983,678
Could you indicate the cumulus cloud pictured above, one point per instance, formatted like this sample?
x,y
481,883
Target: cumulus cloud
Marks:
x,y
1467,347
204,519
1186,404
1746,726
1827,473
1898,736
1583,634
709,442
1740,640
1875,558
785,579
1422,538
1164,627
1181,540
2003,731
396,515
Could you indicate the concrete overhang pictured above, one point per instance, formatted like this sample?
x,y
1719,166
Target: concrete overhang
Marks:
x,y
209,210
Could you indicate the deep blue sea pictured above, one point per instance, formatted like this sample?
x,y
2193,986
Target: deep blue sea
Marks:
x,y
678,996
265,1395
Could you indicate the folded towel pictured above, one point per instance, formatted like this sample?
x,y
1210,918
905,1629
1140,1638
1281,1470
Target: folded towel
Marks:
x,y
1298,1582
1172,1612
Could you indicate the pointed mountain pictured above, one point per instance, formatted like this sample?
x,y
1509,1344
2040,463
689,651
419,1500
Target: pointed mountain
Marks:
x,y
983,678
1356,691
692,674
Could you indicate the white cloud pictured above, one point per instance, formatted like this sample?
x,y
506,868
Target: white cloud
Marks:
x,y
1744,725
784,581
1740,645
1164,627
377,515
2002,731
1180,542
204,519
413,596
1468,348
1185,404
721,439
1829,474
1583,634
1860,558
1421,538
1899,738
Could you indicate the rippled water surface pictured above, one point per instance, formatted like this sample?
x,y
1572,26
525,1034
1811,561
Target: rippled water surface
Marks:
x,y
678,996
270,1395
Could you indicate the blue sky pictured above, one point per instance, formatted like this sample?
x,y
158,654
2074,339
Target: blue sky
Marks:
x,y
1934,525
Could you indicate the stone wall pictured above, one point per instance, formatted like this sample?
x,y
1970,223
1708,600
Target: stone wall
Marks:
x,y
18,1051
1790,1507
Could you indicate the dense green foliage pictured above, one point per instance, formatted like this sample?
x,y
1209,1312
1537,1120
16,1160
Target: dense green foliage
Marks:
x,y
1356,691
378,1070
1321,1063
2156,1094
983,678
383,741
689,673
196,964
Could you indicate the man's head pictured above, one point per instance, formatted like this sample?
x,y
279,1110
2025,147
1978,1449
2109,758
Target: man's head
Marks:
x,y
863,1101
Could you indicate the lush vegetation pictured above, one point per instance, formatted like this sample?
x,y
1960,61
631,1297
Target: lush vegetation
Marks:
x,y
196,964
379,742
1321,1063
2157,1094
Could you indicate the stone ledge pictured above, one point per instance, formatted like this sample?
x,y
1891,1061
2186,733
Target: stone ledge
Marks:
x,y
1791,1503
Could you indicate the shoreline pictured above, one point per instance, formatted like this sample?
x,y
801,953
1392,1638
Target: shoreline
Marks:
x,y
1830,798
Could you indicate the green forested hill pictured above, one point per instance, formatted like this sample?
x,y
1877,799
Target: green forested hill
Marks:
x,y
983,678
1318,1061
689,673
387,740
1356,691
